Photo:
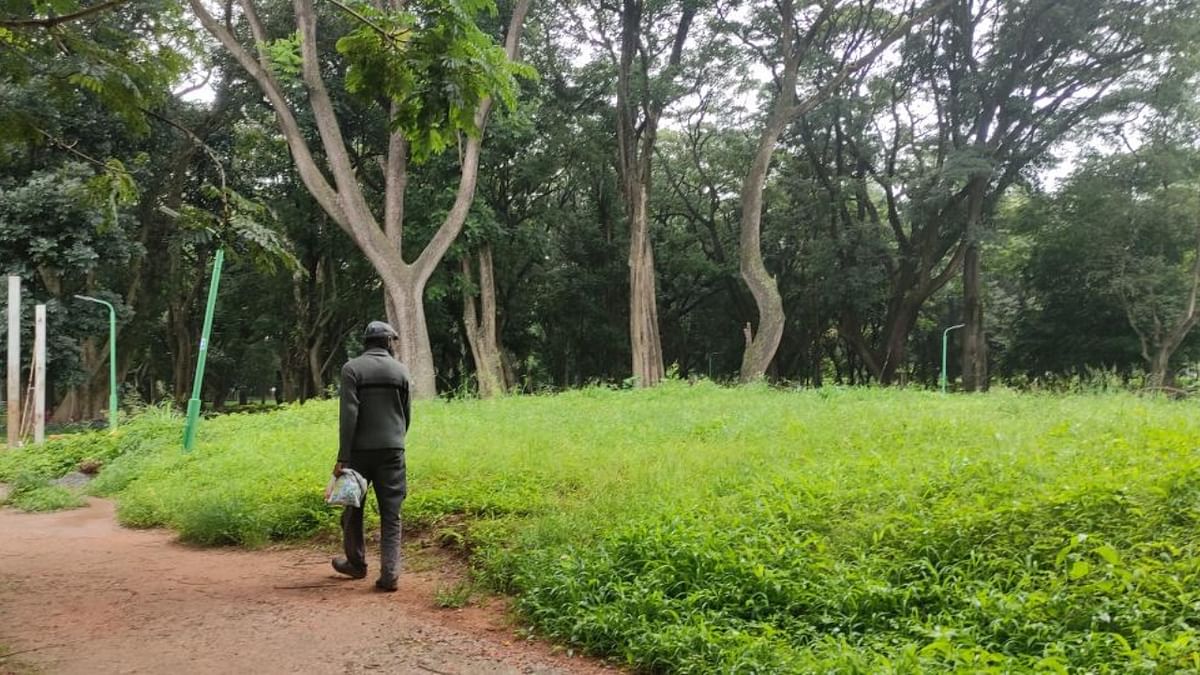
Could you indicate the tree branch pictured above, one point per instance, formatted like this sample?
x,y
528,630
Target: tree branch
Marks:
x,y
348,191
436,249
306,166
367,22
53,21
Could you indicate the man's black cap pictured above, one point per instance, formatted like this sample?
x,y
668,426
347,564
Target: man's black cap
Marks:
x,y
379,329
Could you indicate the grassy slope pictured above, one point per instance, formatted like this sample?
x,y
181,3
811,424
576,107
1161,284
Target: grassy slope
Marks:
x,y
690,528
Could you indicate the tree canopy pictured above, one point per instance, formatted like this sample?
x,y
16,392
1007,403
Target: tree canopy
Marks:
x,y
809,193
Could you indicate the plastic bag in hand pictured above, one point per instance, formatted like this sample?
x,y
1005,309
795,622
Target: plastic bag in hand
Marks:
x,y
348,489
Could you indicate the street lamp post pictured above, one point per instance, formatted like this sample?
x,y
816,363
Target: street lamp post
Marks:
x,y
945,338
193,408
112,359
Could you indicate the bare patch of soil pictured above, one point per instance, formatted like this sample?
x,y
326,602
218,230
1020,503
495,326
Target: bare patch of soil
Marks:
x,y
80,594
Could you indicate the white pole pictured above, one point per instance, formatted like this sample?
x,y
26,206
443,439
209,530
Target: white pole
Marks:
x,y
14,361
39,374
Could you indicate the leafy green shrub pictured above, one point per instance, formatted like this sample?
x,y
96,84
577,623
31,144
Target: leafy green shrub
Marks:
x,y
31,492
59,456
700,529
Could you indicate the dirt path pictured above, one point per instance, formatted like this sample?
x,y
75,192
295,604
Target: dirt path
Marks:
x,y
79,594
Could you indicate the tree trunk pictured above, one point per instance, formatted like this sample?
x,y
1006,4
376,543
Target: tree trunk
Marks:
x,y
481,330
974,348
183,357
315,363
89,400
1160,368
762,344
292,375
638,115
643,302
406,313
896,346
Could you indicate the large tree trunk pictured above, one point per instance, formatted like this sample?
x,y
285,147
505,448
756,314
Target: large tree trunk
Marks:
x,y
762,344
480,323
315,366
895,347
1160,370
182,355
643,302
292,373
406,313
638,116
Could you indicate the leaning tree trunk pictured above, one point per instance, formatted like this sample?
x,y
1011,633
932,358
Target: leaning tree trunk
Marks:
x,y
480,323
643,306
762,345
895,353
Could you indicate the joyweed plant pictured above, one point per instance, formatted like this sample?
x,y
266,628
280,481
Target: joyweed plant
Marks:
x,y
693,528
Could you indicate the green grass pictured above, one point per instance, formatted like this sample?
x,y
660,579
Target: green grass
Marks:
x,y
701,529
30,492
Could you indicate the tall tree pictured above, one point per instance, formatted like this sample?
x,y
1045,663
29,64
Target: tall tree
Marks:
x,y
644,41
849,29
917,159
1135,218
396,56
1011,79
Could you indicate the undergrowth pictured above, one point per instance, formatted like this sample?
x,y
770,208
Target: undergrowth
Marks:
x,y
700,529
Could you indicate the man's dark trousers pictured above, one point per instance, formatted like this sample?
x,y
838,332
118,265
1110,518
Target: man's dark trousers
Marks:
x,y
385,470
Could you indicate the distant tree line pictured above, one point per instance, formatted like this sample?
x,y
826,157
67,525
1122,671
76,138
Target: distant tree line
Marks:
x,y
542,195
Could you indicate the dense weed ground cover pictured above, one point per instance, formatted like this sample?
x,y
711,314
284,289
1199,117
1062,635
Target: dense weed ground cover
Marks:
x,y
701,529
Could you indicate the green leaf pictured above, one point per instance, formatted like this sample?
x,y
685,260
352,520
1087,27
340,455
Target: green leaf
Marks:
x,y
1109,554
1080,569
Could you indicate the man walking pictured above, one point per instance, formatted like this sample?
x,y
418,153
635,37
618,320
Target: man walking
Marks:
x,y
376,414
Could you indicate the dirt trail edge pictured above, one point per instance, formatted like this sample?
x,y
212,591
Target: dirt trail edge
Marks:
x,y
80,594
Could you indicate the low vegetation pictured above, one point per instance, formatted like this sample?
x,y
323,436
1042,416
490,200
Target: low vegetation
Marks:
x,y
691,528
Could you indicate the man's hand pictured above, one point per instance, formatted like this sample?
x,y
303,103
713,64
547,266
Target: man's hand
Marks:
x,y
338,469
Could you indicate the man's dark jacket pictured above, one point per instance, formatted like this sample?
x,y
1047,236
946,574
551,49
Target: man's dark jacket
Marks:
x,y
376,406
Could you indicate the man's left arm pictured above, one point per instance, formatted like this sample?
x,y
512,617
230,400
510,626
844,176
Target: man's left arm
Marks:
x,y
406,400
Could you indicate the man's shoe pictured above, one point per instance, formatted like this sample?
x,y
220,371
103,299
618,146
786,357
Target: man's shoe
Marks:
x,y
343,566
388,584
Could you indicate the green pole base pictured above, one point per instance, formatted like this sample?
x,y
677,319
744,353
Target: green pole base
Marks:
x,y
193,419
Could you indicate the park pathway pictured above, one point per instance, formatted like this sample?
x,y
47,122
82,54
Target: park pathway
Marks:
x,y
80,594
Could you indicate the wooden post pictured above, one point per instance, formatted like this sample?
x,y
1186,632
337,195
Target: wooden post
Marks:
x,y
14,361
39,374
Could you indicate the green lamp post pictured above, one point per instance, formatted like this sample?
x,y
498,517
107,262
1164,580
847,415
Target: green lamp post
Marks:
x,y
193,409
945,339
112,359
